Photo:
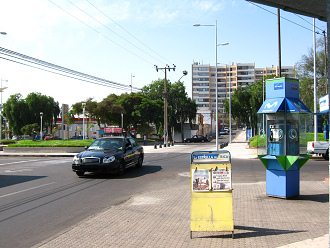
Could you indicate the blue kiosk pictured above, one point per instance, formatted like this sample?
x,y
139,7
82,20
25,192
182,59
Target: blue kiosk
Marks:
x,y
283,120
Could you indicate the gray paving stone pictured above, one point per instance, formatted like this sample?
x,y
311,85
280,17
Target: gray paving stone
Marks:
x,y
162,219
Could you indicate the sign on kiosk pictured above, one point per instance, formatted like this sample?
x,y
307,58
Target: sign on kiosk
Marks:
x,y
211,192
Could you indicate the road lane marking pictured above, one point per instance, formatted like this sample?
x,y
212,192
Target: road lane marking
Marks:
x,y
38,160
18,170
184,174
21,162
24,190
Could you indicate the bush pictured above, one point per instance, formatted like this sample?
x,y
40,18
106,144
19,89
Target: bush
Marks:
x,y
52,143
258,141
6,142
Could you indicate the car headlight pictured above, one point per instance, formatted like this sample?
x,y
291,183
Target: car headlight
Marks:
x,y
108,160
76,160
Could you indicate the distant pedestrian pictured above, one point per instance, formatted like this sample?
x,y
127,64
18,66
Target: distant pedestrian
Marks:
x,y
144,139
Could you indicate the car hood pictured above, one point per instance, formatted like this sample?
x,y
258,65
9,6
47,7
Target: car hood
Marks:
x,y
98,154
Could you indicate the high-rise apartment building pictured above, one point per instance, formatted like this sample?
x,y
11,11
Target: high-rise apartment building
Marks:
x,y
229,78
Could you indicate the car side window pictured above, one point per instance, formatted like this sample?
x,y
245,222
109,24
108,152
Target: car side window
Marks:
x,y
133,143
127,143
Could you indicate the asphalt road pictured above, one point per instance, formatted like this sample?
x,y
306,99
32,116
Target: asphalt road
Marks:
x,y
41,197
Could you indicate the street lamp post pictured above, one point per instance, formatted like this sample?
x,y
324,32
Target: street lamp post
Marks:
x,y
122,120
216,77
132,82
1,90
229,104
184,73
83,106
41,114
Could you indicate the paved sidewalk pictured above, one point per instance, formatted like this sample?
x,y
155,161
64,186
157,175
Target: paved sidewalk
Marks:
x,y
161,218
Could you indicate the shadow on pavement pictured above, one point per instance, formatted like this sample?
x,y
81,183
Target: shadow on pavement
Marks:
x,y
130,173
8,180
252,231
322,198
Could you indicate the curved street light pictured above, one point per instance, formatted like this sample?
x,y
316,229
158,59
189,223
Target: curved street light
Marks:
x,y
83,106
185,73
216,78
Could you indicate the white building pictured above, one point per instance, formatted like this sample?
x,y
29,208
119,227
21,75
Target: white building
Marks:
x,y
229,78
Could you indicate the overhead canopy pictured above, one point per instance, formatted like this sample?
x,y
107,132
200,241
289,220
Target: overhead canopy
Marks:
x,y
294,105
271,105
312,8
289,105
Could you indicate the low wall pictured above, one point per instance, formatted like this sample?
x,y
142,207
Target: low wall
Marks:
x,y
43,149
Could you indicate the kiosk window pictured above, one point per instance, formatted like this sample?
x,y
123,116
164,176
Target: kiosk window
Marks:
x,y
276,134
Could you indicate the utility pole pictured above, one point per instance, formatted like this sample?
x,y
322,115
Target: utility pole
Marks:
x,y
279,42
325,58
229,104
166,68
314,85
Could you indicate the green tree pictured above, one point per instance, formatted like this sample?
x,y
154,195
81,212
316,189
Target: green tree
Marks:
x,y
30,129
20,112
16,111
305,73
40,103
155,93
241,104
131,108
109,110
142,110
255,101
182,108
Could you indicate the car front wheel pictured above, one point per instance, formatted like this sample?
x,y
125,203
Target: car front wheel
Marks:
x,y
326,155
121,169
139,162
80,173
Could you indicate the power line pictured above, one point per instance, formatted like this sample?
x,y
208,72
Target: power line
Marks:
x,y
106,37
59,70
21,63
119,35
133,36
283,17
299,16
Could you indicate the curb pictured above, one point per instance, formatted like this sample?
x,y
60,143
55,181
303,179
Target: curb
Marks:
x,y
2,154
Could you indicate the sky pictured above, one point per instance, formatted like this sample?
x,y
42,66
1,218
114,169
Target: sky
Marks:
x,y
122,40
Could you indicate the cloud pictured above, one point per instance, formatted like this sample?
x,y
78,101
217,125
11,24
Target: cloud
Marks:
x,y
209,5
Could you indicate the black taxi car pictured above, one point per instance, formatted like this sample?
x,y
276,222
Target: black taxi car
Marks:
x,y
109,154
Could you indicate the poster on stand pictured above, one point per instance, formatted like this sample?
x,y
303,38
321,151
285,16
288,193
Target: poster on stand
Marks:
x,y
201,180
221,179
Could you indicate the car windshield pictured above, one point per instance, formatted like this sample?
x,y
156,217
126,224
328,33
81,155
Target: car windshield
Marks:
x,y
106,144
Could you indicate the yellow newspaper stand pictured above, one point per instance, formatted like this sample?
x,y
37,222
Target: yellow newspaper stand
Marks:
x,y
211,192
